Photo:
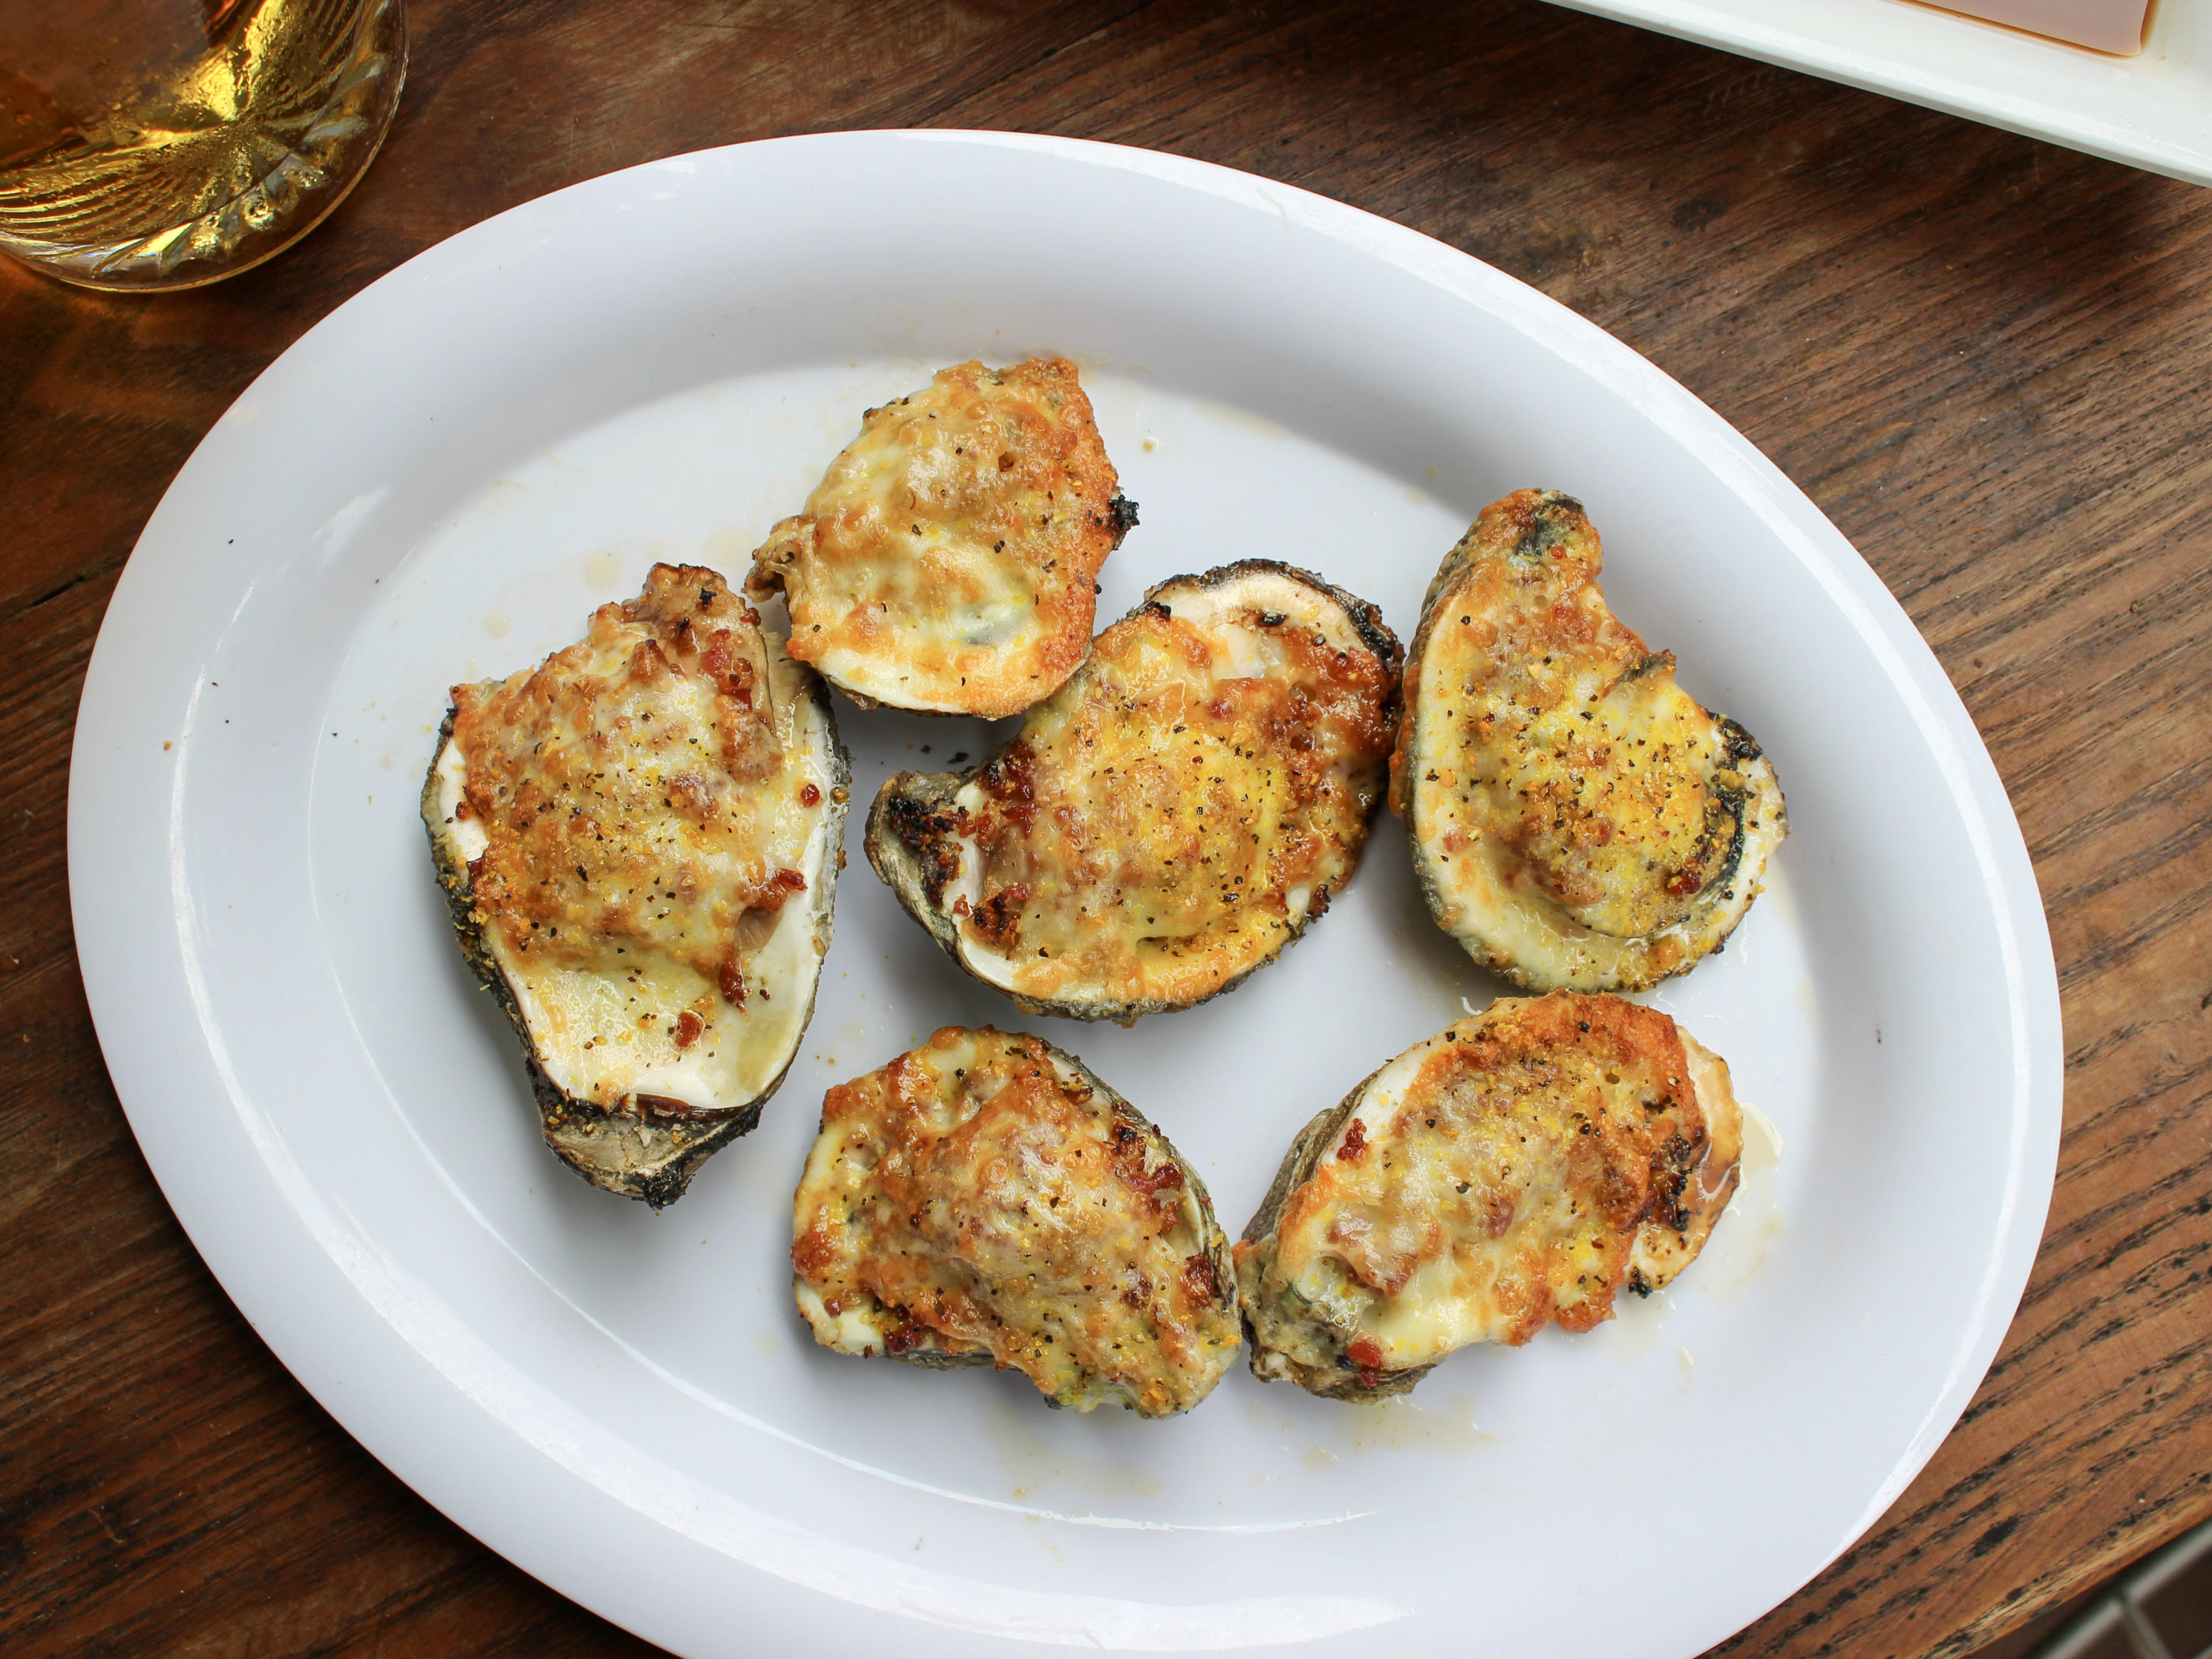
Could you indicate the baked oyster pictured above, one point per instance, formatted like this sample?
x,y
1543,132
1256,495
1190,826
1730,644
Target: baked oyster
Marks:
x,y
987,1199
1577,819
948,561
1170,818
639,841
1520,1168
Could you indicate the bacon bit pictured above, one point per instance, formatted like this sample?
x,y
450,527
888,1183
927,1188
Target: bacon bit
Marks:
x,y
1010,780
733,680
1355,1143
811,1253
1127,1155
731,981
910,1334
770,894
998,918
960,906
694,789
1199,1282
462,811
1498,1212
688,1027
1366,1356
663,1106
809,796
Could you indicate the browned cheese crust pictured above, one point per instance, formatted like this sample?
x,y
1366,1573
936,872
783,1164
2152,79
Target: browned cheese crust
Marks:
x,y
1175,816
602,830
948,561
628,833
1577,819
1517,1170
986,1198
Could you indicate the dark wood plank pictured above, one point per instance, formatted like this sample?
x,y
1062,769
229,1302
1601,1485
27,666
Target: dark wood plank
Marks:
x,y
1985,357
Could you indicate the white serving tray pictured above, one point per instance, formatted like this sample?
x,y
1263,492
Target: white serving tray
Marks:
x,y
2152,111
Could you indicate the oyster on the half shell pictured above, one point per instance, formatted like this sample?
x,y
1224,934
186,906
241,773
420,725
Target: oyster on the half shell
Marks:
x,y
987,1199
1577,820
638,841
1521,1168
948,561
1170,819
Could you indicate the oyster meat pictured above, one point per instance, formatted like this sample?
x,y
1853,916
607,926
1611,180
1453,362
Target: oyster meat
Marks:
x,y
1174,816
948,562
987,1199
1521,1168
1577,820
639,840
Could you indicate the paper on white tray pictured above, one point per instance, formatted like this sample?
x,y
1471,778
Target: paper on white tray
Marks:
x,y
2153,109
2114,26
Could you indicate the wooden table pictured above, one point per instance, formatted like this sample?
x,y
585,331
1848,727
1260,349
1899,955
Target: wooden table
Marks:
x,y
1987,359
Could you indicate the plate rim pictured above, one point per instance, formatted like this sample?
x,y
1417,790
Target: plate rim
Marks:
x,y
443,1454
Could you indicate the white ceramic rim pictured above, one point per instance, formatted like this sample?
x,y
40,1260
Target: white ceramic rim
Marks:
x,y
405,1381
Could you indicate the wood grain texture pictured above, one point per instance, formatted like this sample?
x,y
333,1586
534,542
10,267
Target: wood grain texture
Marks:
x,y
1987,359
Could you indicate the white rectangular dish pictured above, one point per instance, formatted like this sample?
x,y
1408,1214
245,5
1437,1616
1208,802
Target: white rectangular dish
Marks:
x,y
2151,111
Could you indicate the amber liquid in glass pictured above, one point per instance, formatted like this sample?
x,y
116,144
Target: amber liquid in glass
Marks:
x,y
163,143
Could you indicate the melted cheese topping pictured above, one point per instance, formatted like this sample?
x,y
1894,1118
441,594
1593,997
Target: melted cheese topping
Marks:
x,y
1517,1170
1581,817
948,559
980,1197
644,822
1168,821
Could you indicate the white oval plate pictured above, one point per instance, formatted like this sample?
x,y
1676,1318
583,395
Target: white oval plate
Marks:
x,y
440,481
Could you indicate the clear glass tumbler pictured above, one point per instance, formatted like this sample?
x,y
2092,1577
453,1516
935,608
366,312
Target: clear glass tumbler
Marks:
x,y
164,143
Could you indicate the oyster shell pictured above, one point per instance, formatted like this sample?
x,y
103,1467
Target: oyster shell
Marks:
x,y
987,1199
1576,818
947,562
639,841
1173,817
1521,1168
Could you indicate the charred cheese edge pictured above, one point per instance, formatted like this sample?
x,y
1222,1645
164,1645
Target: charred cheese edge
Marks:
x,y
948,561
1519,1169
638,840
986,1199
1175,816
1578,821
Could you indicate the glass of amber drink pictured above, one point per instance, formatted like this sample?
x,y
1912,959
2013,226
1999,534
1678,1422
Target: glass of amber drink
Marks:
x,y
164,143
